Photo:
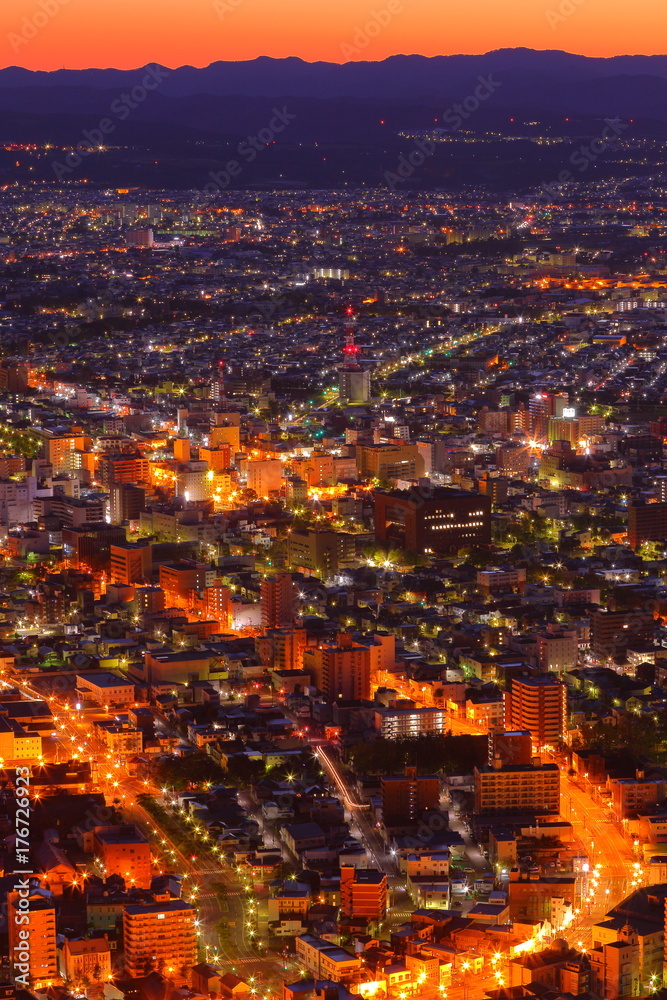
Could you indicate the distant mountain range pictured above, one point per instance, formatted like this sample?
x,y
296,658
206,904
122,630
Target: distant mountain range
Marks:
x,y
399,78
356,105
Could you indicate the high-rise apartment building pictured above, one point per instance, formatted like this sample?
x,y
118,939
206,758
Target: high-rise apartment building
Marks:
x,y
363,893
340,670
282,648
647,522
406,796
507,788
130,467
160,935
612,632
131,563
354,384
41,957
126,502
558,649
538,704
278,601
265,476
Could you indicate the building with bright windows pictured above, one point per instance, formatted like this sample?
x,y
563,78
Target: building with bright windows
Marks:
x,y
439,521
160,935
531,788
394,723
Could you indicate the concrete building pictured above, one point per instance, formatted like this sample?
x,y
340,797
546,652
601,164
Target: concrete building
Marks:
x,y
510,746
131,563
326,961
534,898
538,704
495,580
615,970
282,648
629,944
340,670
440,521
647,522
501,788
105,688
406,796
389,462
558,649
320,552
394,723
87,958
40,958
123,850
363,893
354,384
126,502
265,476
632,796
17,745
278,600
613,631
160,935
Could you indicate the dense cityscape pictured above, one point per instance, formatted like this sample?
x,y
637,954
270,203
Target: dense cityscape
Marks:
x,y
333,585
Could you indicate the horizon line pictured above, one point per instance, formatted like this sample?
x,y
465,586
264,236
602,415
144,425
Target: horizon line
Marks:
x,y
352,62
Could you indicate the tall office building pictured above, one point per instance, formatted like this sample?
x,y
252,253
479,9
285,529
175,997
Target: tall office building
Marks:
x,y
126,502
278,601
439,521
539,705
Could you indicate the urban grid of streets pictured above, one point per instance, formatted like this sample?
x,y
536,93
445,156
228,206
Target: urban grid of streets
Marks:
x,y
614,869
220,893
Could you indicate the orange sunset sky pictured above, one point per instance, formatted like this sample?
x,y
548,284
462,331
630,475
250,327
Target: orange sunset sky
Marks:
x,y
129,33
